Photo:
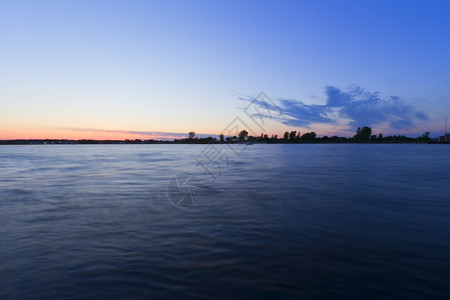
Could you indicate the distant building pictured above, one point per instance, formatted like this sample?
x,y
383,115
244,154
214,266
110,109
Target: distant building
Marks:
x,y
444,138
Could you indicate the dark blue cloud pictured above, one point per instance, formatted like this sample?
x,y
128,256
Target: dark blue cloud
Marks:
x,y
361,107
300,114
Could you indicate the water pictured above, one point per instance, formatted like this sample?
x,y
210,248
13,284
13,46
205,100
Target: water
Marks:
x,y
280,221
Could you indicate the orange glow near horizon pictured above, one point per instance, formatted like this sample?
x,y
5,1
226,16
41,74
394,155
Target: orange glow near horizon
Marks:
x,y
80,134
106,134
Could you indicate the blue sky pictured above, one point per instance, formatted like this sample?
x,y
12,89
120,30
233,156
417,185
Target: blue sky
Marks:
x,y
91,68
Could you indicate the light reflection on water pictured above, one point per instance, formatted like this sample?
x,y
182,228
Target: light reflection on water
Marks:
x,y
285,221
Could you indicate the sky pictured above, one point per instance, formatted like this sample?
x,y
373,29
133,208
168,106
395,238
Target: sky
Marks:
x,y
160,69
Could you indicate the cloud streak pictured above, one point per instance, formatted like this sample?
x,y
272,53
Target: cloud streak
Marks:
x,y
149,134
356,105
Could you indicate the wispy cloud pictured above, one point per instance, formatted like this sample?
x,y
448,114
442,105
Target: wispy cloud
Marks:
x,y
140,134
358,106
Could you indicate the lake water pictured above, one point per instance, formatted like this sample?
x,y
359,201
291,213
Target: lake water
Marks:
x,y
275,221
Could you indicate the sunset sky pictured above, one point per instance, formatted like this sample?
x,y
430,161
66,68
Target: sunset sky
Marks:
x,y
159,69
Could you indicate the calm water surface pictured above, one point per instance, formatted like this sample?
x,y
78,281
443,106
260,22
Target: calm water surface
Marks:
x,y
280,221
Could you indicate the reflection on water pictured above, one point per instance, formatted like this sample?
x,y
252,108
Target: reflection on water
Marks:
x,y
284,221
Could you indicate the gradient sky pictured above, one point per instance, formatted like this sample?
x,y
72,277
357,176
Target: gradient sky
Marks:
x,y
155,69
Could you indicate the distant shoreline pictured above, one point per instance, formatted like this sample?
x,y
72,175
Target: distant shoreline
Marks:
x,y
200,141
363,136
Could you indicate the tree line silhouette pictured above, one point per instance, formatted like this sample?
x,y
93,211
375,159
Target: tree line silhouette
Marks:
x,y
362,135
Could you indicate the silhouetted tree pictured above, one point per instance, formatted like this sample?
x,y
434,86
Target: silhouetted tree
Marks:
x,y
424,138
292,135
243,135
286,136
221,138
191,134
363,134
308,137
